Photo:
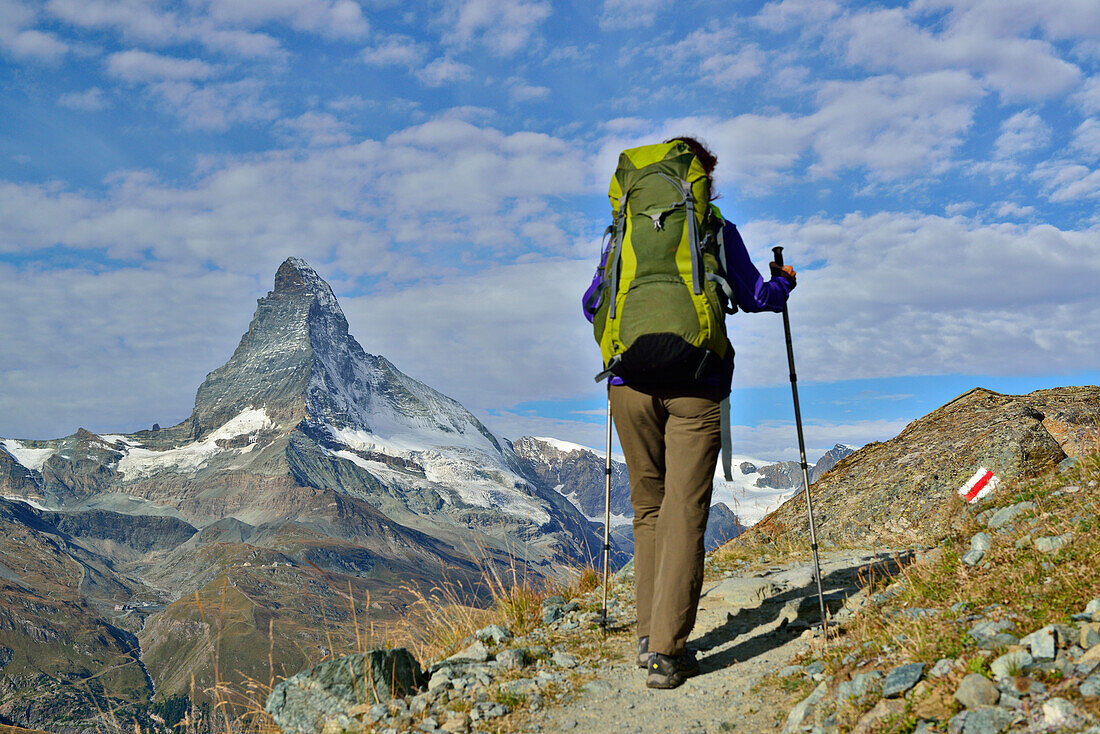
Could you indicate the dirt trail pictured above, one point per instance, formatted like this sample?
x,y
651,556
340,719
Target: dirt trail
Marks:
x,y
748,627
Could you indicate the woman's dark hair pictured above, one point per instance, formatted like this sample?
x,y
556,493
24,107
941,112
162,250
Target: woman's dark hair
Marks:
x,y
706,158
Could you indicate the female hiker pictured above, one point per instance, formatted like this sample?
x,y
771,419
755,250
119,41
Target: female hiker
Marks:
x,y
672,269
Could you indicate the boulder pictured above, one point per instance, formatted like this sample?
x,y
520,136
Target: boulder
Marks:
x,y
307,702
976,690
901,679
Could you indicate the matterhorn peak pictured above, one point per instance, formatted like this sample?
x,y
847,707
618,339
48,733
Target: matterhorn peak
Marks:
x,y
296,278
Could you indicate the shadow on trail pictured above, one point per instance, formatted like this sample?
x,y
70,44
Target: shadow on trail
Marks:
x,y
772,617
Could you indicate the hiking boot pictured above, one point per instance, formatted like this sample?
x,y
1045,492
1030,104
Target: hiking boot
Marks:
x,y
643,652
666,671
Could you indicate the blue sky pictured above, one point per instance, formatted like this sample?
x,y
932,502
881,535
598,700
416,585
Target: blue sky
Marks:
x,y
931,166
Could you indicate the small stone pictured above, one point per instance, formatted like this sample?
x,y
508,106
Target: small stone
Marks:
x,y
860,687
1090,687
923,727
598,687
1024,541
1068,464
428,724
475,653
1092,611
881,711
1005,515
815,668
457,723
1011,664
1089,635
976,690
803,711
987,720
791,670
512,659
972,557
1042,643
957,722
981,542
942,667
564,660
493,632
989,628
901,679
1053,543
1058,712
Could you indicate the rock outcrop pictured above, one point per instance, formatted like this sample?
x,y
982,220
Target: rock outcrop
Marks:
x,y
904,490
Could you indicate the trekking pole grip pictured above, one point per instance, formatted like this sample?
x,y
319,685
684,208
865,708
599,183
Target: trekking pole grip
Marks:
x,y
777,252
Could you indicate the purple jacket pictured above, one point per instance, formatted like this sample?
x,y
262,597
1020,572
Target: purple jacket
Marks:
x,y
751,292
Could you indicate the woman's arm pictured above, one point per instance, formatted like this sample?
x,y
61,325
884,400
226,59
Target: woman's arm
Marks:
x,y
753,293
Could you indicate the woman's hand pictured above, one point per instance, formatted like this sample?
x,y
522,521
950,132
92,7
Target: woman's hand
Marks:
x,y
785,271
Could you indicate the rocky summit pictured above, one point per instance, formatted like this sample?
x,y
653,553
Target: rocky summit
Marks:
x,y
905,490
306,464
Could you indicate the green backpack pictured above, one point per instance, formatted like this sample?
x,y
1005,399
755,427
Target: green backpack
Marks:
x,y
663,300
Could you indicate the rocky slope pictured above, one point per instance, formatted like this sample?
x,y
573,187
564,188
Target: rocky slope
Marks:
x,y
904,490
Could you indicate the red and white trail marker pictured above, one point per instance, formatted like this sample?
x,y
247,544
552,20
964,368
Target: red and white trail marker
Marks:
x,y
982,483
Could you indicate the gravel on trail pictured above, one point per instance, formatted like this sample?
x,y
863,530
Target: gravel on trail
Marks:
x,y
748,627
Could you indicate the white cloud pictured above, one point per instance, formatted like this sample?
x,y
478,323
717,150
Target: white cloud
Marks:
x,y
624,14
1086,137
1010,209
462,320
443,71
520,91
215,25
22,42
216,106
142,66
1066,181
504,27
362,199
316,129
786,14
1022,133
90,100
987,39
394,50
893,126
702,55
334,18
906,294
1088,97
115,350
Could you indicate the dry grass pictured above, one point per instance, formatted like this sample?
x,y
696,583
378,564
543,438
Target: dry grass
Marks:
x,y
439,621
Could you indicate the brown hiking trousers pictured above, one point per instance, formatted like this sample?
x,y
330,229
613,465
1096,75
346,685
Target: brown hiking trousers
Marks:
x,y
671,439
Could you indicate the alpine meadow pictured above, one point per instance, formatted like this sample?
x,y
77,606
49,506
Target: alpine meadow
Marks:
x,y
302,302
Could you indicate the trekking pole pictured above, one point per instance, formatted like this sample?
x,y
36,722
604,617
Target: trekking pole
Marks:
x,y
778,252
606,513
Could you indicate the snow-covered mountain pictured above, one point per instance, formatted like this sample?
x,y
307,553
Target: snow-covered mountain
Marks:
x,y
300,408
